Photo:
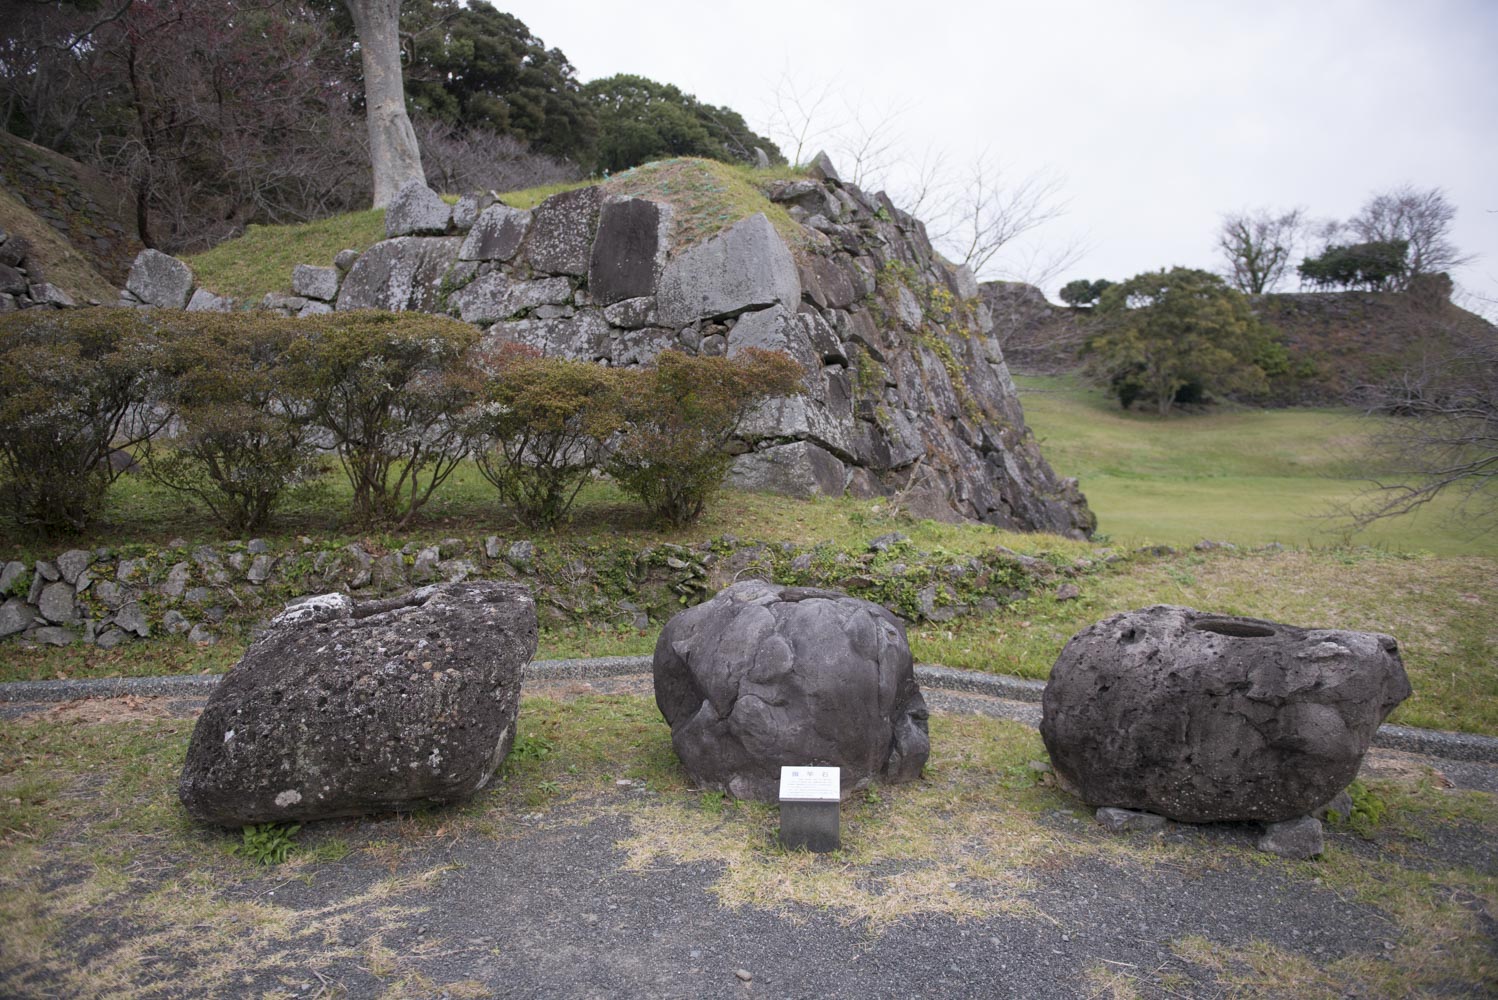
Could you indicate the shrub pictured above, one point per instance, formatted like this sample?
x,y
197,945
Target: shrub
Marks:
x,y
246,438
74,386
681,414
390,388
545,423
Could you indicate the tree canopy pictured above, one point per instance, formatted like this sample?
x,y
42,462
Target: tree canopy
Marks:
x,y
1374,266
1168,336
640,120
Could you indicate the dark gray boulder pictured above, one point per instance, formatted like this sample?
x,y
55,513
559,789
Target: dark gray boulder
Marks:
x,y
341,709
629,251
560,240
763,676
159,279
1205,718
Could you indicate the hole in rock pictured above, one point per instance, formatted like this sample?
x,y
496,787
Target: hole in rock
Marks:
x,y
1239,630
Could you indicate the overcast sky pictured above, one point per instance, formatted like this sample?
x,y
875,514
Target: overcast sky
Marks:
x,y
1158,116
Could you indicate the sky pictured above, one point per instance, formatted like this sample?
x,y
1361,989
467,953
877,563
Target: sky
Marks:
x,y
1155,116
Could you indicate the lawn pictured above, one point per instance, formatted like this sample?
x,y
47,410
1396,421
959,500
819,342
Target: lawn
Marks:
x,y
1247,476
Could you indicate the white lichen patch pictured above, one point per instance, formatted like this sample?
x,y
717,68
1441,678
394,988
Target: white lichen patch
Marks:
x,y
288,798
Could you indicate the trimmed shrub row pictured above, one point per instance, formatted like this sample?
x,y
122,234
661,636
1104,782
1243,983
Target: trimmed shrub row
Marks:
x,y
238,411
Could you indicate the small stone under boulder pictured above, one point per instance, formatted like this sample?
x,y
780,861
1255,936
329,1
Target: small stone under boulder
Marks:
x,y
763,676
344,709
1205,718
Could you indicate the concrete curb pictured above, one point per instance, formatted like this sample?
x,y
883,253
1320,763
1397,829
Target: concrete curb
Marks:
x,y
1433,743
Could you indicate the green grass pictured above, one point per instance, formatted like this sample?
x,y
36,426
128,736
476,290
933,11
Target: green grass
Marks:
x,y
708,196
1246,476
262,259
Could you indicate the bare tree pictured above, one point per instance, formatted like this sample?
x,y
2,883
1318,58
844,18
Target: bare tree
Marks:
x,y
1258,246
393,153
477,159
1422,218
989,212
1441,435
799,117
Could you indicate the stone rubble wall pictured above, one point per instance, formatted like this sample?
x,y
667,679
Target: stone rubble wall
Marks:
x,y
106,597
22,283
907,393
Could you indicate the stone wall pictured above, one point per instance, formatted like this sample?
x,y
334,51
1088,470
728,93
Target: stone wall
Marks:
x,y
22,283
109,596
907,393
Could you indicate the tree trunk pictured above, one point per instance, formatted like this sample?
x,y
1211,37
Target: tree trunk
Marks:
x,y
393,152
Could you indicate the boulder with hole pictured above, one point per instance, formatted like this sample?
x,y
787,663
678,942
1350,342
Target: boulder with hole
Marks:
x,y
763,676
1203,717
344,709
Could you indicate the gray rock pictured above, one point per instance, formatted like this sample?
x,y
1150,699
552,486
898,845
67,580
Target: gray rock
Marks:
x,y
560,240
260,568
47,294
319,283
495,297
15,616
964,284
176,580
1203,717
761,159
457,570
315,308
400,274
1341,804
205,301
52,635
198,595
1298,838
763,676
9,574
202,635
280,302
521,555
72,563
631,314
12,281
257,546
1129,821
886,542
425,568
175,623
56,604
467,209
157,279
110,638
48,571
1068,592
345,260
629,250
393,705
128,569
132,618
496,234
491,547
798,469
113,594
747,266
416,210
822,169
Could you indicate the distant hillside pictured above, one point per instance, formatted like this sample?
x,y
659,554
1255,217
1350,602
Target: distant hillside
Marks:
x,y
1340,340
80,227
1337,341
